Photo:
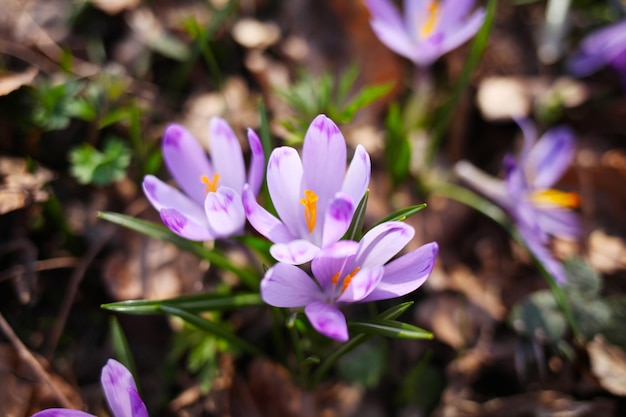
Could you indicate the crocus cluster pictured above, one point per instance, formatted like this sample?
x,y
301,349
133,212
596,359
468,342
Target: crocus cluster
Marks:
x,y
605,46
315,197
120,391
428,29
539,211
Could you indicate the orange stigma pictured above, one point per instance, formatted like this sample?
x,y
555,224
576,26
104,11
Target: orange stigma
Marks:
x,y
348,279
431,21
310,208
210,185
556,198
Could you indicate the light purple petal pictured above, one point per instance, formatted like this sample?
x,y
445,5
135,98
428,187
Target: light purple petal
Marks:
x,y
288,286
61,412
545,258
415,16
226,154
460,35
295,252
560,222
257,162
185,226
362,284
333,259
405,274
383,242
328,320
263,221
388,26
162,195
224,211
453,14
358,175
550,157
599,48
284,180
136,404
323,160
116,380
186,160
338,218
529,131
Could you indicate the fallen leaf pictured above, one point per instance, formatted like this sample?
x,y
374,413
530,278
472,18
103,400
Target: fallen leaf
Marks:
x,y
608,363
11,81
21,185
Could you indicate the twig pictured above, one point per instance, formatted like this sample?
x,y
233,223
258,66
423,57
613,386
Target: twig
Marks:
x,y
34,364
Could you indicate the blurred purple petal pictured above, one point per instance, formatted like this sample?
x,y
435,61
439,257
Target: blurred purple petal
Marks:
x,y
257,162
224,211
186,160
338,218
560,222
295,252
550,157
328,320
226,154
388,26
287,285
382,243
61,412
263,221
185,226
116,381
464,32
405,274
599,48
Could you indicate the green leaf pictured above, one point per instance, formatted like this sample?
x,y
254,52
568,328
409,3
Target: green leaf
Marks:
x,y
163,233
367,96
389,328
194,303
121,347
390,314
213,328
402,214
89,165
355,230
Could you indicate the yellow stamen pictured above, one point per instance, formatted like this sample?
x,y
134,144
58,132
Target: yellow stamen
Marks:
x,y
348,279
310,208
210,185
556,197
431,21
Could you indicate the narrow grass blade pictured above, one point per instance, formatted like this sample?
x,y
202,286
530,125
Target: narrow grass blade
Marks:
x,y
194,303
389,328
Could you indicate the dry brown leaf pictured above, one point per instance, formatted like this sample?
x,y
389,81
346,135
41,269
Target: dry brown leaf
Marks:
x,y
11,81
608,364
19,186
21,393
113,7
606,253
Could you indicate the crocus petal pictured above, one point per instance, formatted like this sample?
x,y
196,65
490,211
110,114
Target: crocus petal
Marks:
x,y
224,212
328,320
560,222
388,26
186,160
257,162
383,242
136,404
549,157
460,35
288,286
295,252
323,160
162,195
116,380
226,154
61,412
405,274
333,259
529,132
362,284
543,256
263,221
453,13
358,175
185,226
599,48
338,218
415,16
487,185
284,179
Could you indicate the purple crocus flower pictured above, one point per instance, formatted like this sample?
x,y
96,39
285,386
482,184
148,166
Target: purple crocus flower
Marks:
x,y
349,272
539,211
605,46
211,206
315,197
428,29
120,391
